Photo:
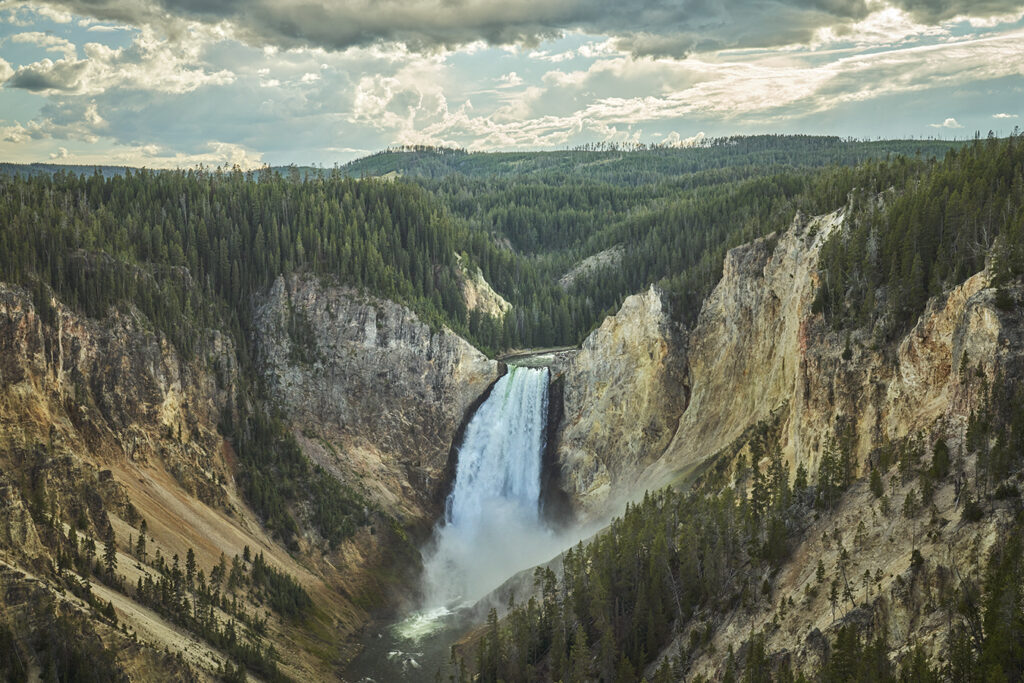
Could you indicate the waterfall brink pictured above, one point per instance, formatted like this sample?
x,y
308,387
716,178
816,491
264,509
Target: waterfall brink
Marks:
x,y
492,526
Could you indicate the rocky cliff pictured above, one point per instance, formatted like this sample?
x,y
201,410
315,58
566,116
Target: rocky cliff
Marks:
x,y
375,394
758,351
108,433
106,430
760,360
623,395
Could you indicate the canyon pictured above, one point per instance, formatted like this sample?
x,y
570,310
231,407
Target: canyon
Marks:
x,y
117,426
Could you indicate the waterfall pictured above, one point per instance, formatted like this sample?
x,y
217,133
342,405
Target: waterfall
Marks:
x,y
492,526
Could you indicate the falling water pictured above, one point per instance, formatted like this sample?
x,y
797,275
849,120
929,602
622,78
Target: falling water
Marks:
x,y
492,525
492,528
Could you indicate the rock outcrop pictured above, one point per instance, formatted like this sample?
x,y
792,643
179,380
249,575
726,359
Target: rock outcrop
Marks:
x,y
105,423
759,352
760,360
623,395
610,258
374,393
746,349
478,293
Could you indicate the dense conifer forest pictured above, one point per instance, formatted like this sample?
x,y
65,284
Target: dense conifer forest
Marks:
x,y
904,246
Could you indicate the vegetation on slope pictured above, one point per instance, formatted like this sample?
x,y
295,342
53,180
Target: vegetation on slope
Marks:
x,y
632,164
933,234
673,562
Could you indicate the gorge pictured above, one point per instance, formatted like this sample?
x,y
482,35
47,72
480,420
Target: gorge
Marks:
x,y
262,457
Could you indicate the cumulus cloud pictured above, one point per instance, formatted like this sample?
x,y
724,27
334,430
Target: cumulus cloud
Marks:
x,y
673,139
150,62
48,42
25,14
1004,115
77,121
948,123
216,154
64,75
510,80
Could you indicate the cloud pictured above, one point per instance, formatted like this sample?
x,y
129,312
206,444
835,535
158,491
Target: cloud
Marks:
x,y
217,154
152,62
210,153
673,139
948,123
64,75
510,80
652,27
1004,116
184,73
77,121
48,42
934,11
26,14
731,92
643,27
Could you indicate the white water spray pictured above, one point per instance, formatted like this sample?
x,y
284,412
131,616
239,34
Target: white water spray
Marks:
x,y
492,526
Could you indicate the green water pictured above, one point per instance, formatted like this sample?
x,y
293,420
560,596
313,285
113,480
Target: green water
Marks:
x,y
413,649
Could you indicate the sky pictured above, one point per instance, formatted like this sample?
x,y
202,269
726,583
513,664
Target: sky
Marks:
x,y
177,83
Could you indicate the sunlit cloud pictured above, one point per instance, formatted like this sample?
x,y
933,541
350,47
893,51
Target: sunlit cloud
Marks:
x,y
125,76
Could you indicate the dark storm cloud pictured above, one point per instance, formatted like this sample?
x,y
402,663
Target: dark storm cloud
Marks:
x,y
654,27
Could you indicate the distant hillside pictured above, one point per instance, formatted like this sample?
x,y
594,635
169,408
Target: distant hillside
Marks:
x,y
637,165
27,170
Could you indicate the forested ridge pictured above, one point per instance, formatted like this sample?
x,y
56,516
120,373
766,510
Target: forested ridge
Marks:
x,y
189,248
902,247
639,164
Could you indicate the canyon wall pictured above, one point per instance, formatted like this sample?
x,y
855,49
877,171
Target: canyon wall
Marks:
x,y
374,394
623,394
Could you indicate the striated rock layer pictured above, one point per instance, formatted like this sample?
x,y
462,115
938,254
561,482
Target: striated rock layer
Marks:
x,y
647,402
760,360
105,423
